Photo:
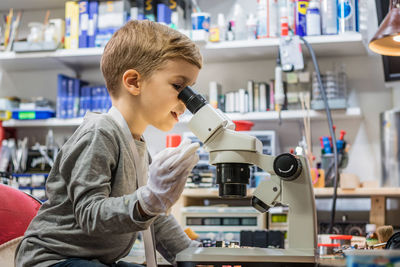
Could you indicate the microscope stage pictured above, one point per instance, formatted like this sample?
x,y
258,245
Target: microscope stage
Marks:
x,y
251,256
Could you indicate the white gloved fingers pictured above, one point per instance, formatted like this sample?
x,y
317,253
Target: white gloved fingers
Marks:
x,y
185,142
185,150
178,186
188,152
167,162
186,166
164,154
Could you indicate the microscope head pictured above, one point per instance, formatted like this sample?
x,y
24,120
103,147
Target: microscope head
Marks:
x,y
216,131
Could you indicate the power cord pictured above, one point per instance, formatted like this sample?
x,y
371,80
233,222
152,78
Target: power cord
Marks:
x,y
331,131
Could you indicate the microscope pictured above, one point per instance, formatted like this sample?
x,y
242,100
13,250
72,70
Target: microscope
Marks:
x,y
233,153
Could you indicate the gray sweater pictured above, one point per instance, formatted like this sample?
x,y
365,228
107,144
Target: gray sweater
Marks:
x,y
91,212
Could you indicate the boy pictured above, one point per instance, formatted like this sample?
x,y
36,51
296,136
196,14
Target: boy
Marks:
x,y
98,196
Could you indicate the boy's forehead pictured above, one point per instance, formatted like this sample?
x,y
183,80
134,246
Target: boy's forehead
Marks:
x,y
180,69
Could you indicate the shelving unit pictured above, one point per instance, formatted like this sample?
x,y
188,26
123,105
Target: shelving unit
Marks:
x,y
246,50
319,192
76,59
378,198
287,115
53,122
37,4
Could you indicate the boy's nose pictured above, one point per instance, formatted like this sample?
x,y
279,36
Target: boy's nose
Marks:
x,y
181,107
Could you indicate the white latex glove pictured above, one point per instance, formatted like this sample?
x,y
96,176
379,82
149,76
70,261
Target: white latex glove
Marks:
x,y
167,177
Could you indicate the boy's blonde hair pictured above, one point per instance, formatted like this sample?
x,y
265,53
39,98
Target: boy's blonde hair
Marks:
x,y
144,46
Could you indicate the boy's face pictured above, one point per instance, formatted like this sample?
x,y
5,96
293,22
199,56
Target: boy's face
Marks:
x,y
159,93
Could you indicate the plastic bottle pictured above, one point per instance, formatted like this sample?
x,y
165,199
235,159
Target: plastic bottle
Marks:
x,y
329,16
262,17
273,13
222,27
291,11
213,35
240,22
251,25
283,20
346,16
313,19
230,34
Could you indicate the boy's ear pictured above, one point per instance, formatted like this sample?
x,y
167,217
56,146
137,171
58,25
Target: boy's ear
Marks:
x,y
131,81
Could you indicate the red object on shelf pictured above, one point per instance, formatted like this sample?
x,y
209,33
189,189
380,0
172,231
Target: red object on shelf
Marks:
x,y
173,140
243,125
329,245
341,237
342,134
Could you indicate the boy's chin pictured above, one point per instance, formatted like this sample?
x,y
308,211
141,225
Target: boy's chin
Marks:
x,y
165,128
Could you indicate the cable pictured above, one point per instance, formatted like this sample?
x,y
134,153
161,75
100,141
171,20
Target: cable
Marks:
x,y
331,131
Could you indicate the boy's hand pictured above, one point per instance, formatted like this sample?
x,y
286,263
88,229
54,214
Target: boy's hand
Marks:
x,y
167,177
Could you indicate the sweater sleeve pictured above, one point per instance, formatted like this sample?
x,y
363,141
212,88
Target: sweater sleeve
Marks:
x,y
170,237
90,165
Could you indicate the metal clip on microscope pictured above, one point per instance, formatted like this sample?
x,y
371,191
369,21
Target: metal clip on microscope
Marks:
x,y
233,153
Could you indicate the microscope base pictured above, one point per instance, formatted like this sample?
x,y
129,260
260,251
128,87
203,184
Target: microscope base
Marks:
x,y
245,257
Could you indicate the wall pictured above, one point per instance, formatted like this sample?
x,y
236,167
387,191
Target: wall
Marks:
x,y
367,90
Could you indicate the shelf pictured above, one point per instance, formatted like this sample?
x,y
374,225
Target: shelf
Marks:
x,y
287,115
327,45
53,122
319,192
350,44
25,5
359,192
72,58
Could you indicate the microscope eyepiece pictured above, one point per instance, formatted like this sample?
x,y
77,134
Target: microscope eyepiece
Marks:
x,y
192,100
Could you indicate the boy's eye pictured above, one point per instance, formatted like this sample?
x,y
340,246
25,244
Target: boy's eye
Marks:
x,y
177,87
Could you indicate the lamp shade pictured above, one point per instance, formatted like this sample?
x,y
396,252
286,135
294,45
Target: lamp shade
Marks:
x,y
387,39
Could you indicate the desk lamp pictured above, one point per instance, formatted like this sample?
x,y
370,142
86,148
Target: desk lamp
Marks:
x,y
387,39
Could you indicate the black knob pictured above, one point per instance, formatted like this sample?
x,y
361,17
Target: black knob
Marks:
x,y
287,166
259,205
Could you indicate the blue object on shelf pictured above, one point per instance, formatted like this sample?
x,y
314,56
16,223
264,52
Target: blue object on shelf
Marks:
x,y
38,114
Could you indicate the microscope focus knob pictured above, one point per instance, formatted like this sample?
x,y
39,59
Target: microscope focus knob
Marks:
x,y
287,166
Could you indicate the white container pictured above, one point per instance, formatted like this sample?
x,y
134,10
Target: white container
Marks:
x,y
283,21
251,25
273,17
262,19
240,30
313,18
329,16
222,27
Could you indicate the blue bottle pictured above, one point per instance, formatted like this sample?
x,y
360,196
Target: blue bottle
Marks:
x,y
347,12
301,13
